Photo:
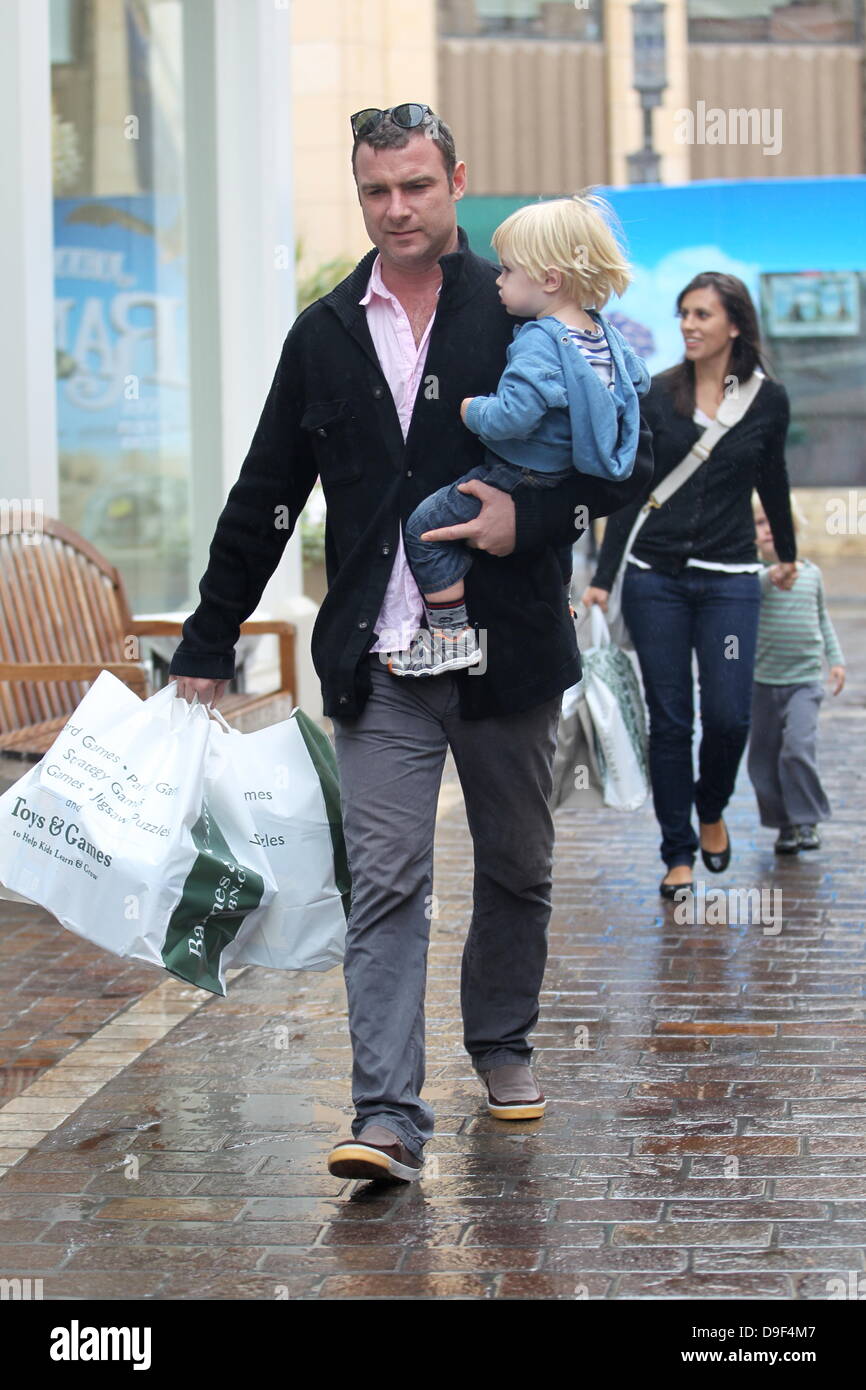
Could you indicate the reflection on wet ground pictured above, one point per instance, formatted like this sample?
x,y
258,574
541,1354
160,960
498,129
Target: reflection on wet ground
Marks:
x,y
706,1135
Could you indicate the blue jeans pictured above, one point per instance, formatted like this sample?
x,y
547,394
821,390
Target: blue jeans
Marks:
x,y
715,614
436,565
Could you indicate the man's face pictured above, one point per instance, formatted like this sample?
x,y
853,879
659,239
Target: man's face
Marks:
x,y
409,211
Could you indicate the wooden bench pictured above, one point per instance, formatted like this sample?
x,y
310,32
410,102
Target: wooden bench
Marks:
x,y
64,617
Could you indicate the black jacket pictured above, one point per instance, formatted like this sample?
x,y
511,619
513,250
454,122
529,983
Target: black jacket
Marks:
x,y
710,516
330,412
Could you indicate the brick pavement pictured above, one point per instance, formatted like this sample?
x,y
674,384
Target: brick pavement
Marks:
x,y
706,1136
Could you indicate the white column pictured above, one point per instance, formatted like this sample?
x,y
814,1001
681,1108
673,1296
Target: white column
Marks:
x,y
28,442
241,255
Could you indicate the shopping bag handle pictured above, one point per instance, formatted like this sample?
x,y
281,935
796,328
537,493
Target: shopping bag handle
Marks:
x,y
214,714
167,696
598,627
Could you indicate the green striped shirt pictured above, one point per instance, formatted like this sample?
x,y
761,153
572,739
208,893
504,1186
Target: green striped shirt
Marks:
x,y
794,631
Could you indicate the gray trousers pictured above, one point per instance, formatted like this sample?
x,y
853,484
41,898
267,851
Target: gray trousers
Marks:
x,y
783,762
390,761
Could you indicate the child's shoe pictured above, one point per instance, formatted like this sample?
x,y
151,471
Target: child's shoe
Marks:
x,y
788,840
454,649
438,650
417,658
809,837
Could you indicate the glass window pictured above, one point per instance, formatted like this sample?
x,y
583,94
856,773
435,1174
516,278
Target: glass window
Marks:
x,y
545,19
121,289
65,19
814,325
763,21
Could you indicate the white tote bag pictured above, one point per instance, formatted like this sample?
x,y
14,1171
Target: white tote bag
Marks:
x,y
129,834
149,831
615,703
286,776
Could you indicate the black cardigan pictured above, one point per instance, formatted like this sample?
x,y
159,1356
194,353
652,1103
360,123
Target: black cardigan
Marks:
x,y
710,516
330,413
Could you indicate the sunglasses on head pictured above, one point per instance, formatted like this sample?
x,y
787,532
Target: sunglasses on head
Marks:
x,y
409,115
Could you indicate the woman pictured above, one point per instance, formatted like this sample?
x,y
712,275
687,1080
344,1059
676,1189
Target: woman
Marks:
x,y
691,580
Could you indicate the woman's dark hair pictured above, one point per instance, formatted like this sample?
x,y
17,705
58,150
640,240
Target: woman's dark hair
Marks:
x,y
746,352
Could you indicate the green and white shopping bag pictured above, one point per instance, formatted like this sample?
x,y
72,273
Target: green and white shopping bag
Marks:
x,y
151,831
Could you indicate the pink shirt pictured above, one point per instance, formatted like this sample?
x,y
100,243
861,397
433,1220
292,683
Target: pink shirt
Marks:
x,y
402,364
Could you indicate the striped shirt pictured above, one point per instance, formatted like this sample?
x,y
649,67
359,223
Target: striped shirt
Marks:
x,y
794,631
596,350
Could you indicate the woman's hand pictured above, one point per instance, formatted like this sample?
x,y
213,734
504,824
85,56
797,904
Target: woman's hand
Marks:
x,y
784,574
837,676
591,596
208,692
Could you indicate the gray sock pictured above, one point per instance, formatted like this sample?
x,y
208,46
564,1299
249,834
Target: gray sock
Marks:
x,y
447,615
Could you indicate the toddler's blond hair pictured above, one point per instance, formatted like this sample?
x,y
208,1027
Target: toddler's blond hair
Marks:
x,y
572,235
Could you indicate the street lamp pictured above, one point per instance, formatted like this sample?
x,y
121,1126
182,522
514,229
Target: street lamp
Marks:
x,y
648,20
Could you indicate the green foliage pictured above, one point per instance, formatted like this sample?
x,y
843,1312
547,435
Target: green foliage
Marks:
x,y
312,541
321,280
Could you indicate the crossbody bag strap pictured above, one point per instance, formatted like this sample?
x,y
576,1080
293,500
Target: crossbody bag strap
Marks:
x,y
729,413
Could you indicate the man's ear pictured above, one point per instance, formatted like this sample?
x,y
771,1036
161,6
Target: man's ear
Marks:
x,y
458,181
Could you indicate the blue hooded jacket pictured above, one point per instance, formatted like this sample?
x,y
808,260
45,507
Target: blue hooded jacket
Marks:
x,y
551,409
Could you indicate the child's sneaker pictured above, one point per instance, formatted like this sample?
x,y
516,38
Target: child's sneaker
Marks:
x,y
435,651
788,840
417,658
808,837
453,649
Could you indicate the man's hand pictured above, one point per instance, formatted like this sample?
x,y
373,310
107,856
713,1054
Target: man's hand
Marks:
x,y
783,575
494,529
208,692
837,676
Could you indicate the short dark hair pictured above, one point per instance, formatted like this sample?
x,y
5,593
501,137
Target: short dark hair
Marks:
x,y
388,136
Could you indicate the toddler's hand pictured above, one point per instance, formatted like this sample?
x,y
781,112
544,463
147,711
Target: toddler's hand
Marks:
x,y
463,404
837,676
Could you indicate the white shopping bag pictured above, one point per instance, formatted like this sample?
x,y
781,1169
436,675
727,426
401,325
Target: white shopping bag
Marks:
x,y
287,777
131,833
615,703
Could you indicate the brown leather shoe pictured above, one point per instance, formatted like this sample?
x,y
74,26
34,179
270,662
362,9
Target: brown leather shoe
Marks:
x,y
513,1093
357,1158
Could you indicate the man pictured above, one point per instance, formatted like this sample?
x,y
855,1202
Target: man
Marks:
x,y
367,395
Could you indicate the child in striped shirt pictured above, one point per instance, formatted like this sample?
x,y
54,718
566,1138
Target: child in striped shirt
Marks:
x,y
794,634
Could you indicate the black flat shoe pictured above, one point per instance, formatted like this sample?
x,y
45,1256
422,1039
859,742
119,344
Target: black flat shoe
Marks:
x,y
670,890
718,862
787,840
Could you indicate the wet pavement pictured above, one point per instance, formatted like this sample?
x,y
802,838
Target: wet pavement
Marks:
x,y
705,1137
